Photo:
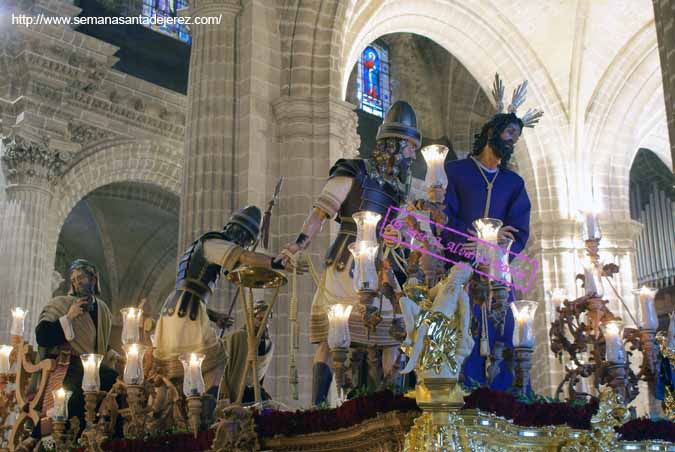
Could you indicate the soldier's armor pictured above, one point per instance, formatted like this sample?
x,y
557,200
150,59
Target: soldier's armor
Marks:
x,y
196,278
366,193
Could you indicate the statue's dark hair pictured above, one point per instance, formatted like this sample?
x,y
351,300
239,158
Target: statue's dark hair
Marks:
x,y
494,127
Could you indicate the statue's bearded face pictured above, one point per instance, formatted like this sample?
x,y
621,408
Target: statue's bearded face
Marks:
x,y
503,143
82,283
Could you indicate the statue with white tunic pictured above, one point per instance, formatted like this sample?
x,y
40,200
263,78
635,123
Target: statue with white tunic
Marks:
x,y
183,326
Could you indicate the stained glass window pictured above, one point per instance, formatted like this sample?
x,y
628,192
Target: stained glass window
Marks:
x,y
373,80
165,9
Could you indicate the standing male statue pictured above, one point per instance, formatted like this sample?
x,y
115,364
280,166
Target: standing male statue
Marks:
x,y
372,184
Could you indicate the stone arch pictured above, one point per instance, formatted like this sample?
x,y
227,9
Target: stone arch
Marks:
x,y
480,38
626,111
141,161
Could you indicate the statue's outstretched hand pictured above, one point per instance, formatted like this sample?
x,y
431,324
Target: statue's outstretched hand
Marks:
x,y
288,260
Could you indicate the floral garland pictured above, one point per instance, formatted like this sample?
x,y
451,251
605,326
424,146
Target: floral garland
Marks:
x,y
532,414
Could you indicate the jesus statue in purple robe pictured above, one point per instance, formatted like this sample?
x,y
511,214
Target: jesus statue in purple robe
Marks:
x,y
479,186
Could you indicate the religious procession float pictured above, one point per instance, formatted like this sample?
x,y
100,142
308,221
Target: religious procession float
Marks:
x,y
416,317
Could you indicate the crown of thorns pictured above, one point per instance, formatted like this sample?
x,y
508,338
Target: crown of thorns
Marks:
x,y
531,116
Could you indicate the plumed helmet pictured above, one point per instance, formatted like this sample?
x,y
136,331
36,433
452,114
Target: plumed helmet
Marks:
x,y
248,218
87,267
400,122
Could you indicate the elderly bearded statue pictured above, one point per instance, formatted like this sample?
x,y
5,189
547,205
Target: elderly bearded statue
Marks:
x,y
183,326
76,324
372,184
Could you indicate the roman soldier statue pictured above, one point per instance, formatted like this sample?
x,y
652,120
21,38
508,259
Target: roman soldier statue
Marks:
x,y
372,184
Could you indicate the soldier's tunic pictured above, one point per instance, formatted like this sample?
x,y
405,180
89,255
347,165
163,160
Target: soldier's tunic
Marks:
x,y
183,326
351,189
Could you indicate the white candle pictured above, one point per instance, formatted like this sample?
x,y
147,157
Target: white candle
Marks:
x,y
523,317
648,318
338,326
5,351
487,229
193,382
133,370
592,279
131,320
18,317
435,155
61,398
365,273
590,226
366,225
91,381
613,332
558,295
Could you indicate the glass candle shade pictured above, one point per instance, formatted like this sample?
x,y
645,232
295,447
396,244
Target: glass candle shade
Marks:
x,y
91,380
648,318
133,369
61,397
338,325
613,333
366,225
193,381
499,263
435,155
590,226
18,317
131,323
365,274
523,319
487,229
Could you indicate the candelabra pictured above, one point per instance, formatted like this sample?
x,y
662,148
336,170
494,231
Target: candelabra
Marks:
x,y
587,325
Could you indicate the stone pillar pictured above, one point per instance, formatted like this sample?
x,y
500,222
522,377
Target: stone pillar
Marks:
x,y
664,15
313,133
209,168
29,168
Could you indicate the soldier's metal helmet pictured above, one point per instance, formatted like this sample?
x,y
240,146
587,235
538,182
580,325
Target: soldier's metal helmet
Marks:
x,y
248,218
400,122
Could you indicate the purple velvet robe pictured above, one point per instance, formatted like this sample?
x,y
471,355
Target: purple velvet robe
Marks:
x,y
465,202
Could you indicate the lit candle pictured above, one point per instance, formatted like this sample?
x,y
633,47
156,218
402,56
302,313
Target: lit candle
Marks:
x,y
131,319
487,229
435,155
91,381
613,332
590,227
499,267
365,273
648,318
338,326
193,382
61,398
18,317
5,351
523,316
133,369
558,295
592,279
366,225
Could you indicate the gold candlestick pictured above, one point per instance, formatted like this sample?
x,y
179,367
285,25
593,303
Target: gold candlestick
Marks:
x,y
523,359
90,402
194,404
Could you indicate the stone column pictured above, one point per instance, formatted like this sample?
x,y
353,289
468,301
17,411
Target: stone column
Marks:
x,y
209,180
29,168
313,133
